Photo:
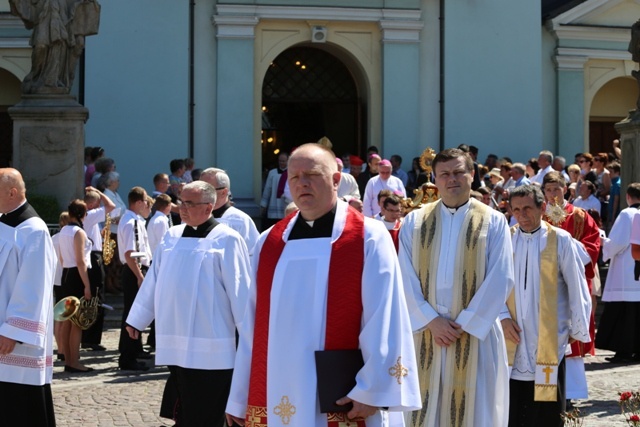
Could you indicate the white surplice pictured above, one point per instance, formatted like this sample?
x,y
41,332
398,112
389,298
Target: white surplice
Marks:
x,y
621,282
348,186
480,318
297,329
27,269
574,300
196,290
270,199
243,224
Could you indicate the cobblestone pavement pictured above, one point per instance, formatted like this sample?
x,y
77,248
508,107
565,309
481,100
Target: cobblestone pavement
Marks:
x,y
109,397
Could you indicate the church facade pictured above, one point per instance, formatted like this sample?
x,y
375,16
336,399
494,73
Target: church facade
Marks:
x,y
233,83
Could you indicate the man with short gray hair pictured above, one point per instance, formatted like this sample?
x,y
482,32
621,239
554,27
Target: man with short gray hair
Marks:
x,y
545,161
227,214
196,291
549,307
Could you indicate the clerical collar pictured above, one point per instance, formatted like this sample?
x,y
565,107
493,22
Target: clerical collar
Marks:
x,y
454,210
281,171
530,233
221,210
200,231
635,205
18,215
321,227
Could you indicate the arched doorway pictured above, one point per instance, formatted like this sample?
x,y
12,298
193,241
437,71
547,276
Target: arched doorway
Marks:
x,y
9,96
308,93
610,105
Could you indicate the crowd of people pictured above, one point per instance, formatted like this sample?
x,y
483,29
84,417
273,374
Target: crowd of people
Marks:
x,y
474,310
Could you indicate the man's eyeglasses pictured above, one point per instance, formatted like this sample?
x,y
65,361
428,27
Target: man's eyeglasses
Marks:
x,y
583,161
189,204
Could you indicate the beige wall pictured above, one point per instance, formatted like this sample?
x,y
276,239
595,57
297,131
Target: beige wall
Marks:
x,y
615,98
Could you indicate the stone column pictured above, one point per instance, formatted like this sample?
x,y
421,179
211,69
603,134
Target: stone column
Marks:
x,y
629,130
400,83
48,145
571,108
235,143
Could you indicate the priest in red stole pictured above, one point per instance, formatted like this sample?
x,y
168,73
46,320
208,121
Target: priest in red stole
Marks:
x,y
584,229
326,278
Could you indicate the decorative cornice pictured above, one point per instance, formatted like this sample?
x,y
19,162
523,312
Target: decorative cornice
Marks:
x,y
318,13
401,31
397,25
570,63
605,34
235,26
593,53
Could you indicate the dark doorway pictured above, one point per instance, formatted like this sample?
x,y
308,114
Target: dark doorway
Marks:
x,y
601,136
308,93
6,136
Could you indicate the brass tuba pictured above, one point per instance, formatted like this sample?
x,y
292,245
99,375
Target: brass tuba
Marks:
x,y
108,244
80,312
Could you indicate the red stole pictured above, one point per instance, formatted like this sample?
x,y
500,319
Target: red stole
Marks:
x,y
344,307
583,228
395,235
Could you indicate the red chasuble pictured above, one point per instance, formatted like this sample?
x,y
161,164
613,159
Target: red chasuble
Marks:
x,y
583,228
344,308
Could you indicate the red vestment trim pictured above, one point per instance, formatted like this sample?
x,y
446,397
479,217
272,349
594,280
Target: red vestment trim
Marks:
x,y
344,306
583,228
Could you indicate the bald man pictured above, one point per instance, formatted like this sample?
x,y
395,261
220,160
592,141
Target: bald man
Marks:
x,y
27,269
326,278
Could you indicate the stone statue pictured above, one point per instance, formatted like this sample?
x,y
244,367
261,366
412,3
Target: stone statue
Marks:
x,y
59,28
634,50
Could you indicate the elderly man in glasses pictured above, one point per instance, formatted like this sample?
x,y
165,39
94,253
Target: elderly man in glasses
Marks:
x,y
196,291
227,214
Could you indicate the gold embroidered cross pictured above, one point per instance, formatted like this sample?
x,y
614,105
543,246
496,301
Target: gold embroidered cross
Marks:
x,y
285,410
256,416
548,370
398,371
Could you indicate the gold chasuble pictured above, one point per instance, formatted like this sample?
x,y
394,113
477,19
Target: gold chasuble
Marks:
x,y
546,378
461,361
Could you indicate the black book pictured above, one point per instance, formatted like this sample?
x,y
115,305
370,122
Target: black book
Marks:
x,y
336,371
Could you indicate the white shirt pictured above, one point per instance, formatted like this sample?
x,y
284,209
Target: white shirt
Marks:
x,y
91,227
67,247
537,178
591,202
158,225
120,204
128,240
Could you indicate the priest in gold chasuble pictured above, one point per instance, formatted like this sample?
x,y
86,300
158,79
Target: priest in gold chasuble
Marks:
x,y
457,265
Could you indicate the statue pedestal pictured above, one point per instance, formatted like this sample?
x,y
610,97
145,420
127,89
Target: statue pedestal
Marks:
x,y
48,145
629,130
